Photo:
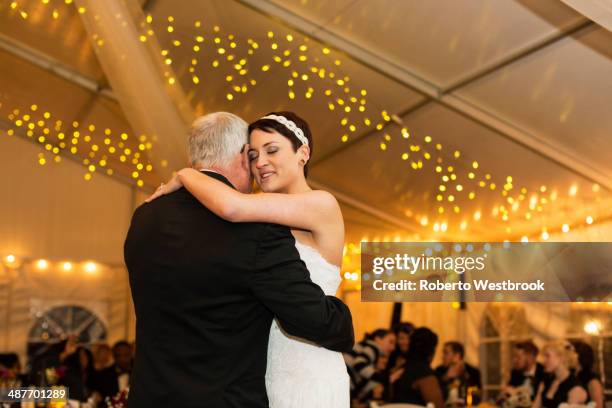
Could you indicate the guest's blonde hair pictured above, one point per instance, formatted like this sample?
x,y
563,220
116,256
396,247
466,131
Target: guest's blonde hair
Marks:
x,y
565,351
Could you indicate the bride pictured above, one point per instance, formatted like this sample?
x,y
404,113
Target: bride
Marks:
x,y
299,374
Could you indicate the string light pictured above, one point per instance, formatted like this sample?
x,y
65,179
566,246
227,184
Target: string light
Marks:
x,y
592,327
57,137
236,56
42,264
90,267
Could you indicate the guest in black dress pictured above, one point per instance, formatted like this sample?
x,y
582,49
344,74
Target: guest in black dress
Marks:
x,y
586,376
562,385
79,375
417,383
402,335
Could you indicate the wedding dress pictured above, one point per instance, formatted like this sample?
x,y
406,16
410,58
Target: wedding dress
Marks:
x,y
301,374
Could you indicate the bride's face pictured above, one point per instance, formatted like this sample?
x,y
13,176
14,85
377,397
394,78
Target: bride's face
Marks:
x,y
274,163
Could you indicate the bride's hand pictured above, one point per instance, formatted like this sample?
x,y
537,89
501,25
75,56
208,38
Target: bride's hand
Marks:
x,y
166,188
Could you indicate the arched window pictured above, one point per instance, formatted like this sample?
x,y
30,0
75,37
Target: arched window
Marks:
x,y
54,325
503,325
592,323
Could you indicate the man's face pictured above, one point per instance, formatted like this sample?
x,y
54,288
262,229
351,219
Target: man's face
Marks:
x,y
123,356
520,360
449,356
386,343
403,341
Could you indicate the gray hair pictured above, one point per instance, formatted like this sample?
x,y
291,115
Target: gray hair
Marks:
x,y
215,139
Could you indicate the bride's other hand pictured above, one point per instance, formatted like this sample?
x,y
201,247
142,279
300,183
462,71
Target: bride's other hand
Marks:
x,y
166,188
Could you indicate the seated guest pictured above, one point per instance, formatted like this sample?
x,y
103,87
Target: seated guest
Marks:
x,y
417,382
103,356
10,371
402,334
526,371
79,374
378,392
586,376
362,363
562,385
116,377
456,375
47,356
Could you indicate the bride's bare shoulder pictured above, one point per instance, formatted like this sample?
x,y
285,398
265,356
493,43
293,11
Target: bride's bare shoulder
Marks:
x,y
324,199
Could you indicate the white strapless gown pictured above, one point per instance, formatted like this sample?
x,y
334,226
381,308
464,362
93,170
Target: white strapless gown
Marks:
x,y
301,374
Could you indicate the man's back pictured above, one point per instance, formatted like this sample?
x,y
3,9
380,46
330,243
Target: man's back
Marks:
x,y
196,315
202,327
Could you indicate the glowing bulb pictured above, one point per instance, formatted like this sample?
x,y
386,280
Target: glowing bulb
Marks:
x,y
565,228
67,266
90,267
589,219
573,190
592,327
42,264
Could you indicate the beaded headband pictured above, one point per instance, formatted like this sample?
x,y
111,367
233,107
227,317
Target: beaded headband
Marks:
x,y
289,124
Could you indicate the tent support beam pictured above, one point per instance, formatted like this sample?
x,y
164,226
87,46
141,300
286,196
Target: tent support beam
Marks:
x,y
52,65
153,105
444,96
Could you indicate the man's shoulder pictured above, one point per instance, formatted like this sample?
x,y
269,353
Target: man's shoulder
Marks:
x,y
180,195
441,369
107,371
472,368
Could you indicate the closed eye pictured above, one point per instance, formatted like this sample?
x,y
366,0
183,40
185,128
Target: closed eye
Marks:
x,y
252,155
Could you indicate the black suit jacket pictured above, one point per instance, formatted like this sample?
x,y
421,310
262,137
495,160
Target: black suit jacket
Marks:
x,y
205,292
106,381
469,378
517,378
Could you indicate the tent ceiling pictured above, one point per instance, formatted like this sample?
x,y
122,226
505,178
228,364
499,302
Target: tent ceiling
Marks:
x,y
535,87
441,47
551,96
63,39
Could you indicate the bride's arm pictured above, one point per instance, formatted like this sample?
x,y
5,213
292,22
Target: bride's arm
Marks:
x,y
303,210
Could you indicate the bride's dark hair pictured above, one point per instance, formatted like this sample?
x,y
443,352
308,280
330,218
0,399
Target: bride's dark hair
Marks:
x,y
270,125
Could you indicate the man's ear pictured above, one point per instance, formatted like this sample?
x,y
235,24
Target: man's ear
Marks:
x,y
244,155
